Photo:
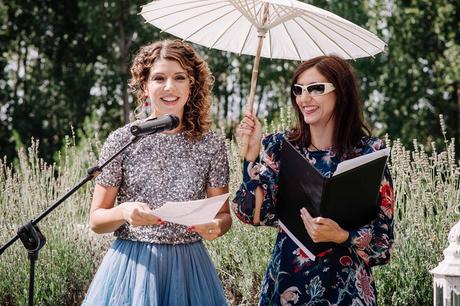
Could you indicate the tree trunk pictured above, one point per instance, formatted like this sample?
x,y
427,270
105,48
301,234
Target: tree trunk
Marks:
x,y
24,78
457,145
124,71
125,42
226,106
18,78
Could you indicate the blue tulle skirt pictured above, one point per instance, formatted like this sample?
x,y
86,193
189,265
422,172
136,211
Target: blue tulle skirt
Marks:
x,y
140,274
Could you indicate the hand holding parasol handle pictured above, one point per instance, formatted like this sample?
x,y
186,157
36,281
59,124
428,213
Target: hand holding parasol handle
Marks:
x,y
255,72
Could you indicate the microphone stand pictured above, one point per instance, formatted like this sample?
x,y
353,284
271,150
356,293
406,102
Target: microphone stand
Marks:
x,y
31,236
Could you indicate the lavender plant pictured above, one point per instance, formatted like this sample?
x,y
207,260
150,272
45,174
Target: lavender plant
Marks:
x,y
427,194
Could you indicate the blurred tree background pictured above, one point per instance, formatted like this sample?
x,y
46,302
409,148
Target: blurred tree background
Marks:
x,y
66,63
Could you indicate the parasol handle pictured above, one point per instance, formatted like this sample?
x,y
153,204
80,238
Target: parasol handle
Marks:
x,y
252,94
255,72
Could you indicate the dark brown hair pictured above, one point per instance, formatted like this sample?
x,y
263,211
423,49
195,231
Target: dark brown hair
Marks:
x,y
349,125
196,119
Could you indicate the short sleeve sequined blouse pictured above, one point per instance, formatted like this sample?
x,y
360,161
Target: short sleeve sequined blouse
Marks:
x,y
159,168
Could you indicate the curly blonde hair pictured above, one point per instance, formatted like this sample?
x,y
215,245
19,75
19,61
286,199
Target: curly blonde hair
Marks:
x,y
196,120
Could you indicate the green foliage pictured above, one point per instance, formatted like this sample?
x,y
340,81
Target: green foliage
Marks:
x,y
418,76
48,71
62,62
65,63
242,254
70,255
427,196
232,86
427,193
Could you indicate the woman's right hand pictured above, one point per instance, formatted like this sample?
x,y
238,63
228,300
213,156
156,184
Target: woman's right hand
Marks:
x,y
138,213
250,126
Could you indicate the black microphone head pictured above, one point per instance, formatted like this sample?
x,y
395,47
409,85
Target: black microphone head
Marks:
x,y
174,121
155,125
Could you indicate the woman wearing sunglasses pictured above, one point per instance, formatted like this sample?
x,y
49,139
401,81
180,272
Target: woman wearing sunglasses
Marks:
x,y
329,129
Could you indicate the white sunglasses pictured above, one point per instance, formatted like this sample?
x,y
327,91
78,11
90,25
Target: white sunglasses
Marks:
x,y
315,89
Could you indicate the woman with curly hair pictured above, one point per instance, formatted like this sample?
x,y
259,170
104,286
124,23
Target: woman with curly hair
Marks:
x,y
153,262
329,129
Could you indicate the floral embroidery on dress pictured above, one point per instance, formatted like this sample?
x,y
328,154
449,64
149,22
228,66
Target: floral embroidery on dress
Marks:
x,y
363,283
290,296
301,260
345,261
363,239
388,199
315,289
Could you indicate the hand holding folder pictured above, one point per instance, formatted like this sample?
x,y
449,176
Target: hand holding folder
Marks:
x,y
349,197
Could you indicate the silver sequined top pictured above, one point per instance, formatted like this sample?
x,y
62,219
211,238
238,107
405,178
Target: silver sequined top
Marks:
x,y
159,168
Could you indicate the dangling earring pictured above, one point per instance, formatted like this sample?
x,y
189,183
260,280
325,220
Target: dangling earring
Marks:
x,y
147,108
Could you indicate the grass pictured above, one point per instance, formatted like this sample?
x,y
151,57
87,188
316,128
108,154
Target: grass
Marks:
x,y
427,198
70,256
427,201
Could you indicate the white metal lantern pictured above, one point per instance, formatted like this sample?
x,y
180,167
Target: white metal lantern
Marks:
x,y
446,276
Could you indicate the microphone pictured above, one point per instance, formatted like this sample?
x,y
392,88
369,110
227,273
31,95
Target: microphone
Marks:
x,y
155,125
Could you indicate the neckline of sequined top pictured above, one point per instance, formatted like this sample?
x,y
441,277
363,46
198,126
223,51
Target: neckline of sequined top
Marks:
x,y
181,133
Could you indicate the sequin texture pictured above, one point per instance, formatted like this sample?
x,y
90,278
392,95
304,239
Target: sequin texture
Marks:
x,y
159,168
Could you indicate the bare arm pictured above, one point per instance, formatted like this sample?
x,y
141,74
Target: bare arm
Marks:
x,y
106,218
223,218
221,223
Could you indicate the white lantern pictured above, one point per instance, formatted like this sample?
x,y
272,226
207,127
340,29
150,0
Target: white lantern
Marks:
x,y
446,276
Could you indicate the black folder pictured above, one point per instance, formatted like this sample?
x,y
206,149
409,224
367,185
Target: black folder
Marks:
x,y
349,198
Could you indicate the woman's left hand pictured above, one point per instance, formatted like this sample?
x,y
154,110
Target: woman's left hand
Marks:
x,y
208,231
323,229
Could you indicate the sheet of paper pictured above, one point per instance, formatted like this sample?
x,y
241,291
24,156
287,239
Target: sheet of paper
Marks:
x,y
360,160
191,212
296,241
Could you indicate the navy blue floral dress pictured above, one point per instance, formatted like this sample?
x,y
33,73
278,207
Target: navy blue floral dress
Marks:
x,y
339,276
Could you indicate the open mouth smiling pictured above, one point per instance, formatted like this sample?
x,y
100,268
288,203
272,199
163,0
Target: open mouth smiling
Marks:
x,y
170,99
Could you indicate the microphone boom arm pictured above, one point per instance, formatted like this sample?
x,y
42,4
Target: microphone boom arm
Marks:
x,y
31,236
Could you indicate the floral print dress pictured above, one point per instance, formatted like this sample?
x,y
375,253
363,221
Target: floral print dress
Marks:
x,y
339,276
